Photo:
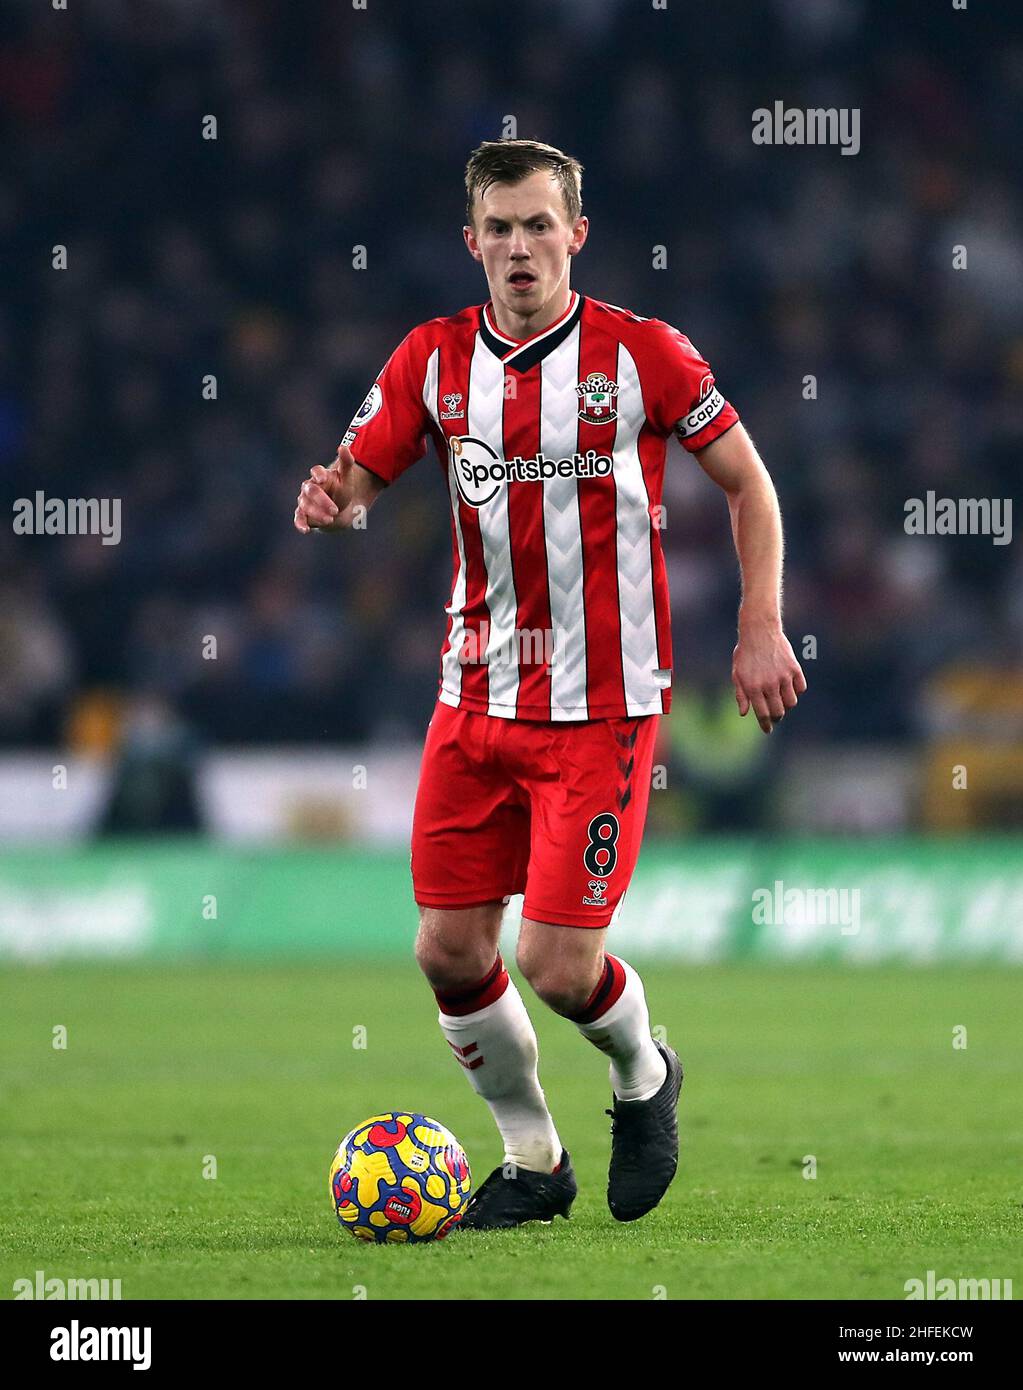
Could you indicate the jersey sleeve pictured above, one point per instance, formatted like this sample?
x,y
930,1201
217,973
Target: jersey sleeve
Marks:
x,y
684,399
388,431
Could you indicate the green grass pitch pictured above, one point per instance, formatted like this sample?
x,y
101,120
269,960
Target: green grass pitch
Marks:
x,y
103,1144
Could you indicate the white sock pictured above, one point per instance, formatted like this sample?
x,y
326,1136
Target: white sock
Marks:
x,y
623,1032
497,1047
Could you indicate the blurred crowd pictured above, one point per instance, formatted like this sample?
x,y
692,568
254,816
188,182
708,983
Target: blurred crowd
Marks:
x,y
210,337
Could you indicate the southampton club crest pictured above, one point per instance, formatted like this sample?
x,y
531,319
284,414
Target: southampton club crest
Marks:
x,y
596,399
597,395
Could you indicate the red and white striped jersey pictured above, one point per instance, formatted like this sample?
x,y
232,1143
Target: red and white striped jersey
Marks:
x,y
553,453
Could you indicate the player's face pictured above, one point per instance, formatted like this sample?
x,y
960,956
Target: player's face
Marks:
x,y
524,239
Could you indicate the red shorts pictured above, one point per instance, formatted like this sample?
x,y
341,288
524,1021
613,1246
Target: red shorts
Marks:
x,y
555,811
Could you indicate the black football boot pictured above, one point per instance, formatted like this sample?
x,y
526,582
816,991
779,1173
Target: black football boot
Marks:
x,y
644,1146
501,1203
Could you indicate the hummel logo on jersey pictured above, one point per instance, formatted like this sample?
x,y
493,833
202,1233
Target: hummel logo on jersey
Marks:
x,y
480,473
597,399
455,409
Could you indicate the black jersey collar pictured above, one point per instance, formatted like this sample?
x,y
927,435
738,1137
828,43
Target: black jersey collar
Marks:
x,y
527,354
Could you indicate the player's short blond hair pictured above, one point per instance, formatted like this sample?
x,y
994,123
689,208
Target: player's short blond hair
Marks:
x,y
510,161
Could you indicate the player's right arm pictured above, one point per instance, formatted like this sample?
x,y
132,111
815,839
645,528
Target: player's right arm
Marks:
x,y
387,435
332,498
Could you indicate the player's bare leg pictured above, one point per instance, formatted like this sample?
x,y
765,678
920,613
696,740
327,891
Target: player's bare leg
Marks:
x,y
571,972
455,949
485,1022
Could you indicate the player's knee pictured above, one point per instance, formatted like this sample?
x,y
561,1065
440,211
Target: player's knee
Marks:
x,y
564,995
450,960
529,960
443,965
557,983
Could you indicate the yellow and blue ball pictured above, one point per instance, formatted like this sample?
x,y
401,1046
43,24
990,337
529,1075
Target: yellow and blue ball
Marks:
x,y
399,1177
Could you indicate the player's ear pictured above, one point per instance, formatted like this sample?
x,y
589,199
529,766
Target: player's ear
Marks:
x,y
580,232
470,240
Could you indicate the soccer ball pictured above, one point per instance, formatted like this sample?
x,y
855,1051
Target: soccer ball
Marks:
x,y
399,1177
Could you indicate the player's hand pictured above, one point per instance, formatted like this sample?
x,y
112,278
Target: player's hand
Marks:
x,y
324,502
767,677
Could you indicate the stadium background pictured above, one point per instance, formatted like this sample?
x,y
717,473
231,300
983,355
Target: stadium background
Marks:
x,y
176,814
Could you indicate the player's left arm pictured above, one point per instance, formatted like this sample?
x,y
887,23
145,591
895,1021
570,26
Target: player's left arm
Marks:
x,y
766,675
